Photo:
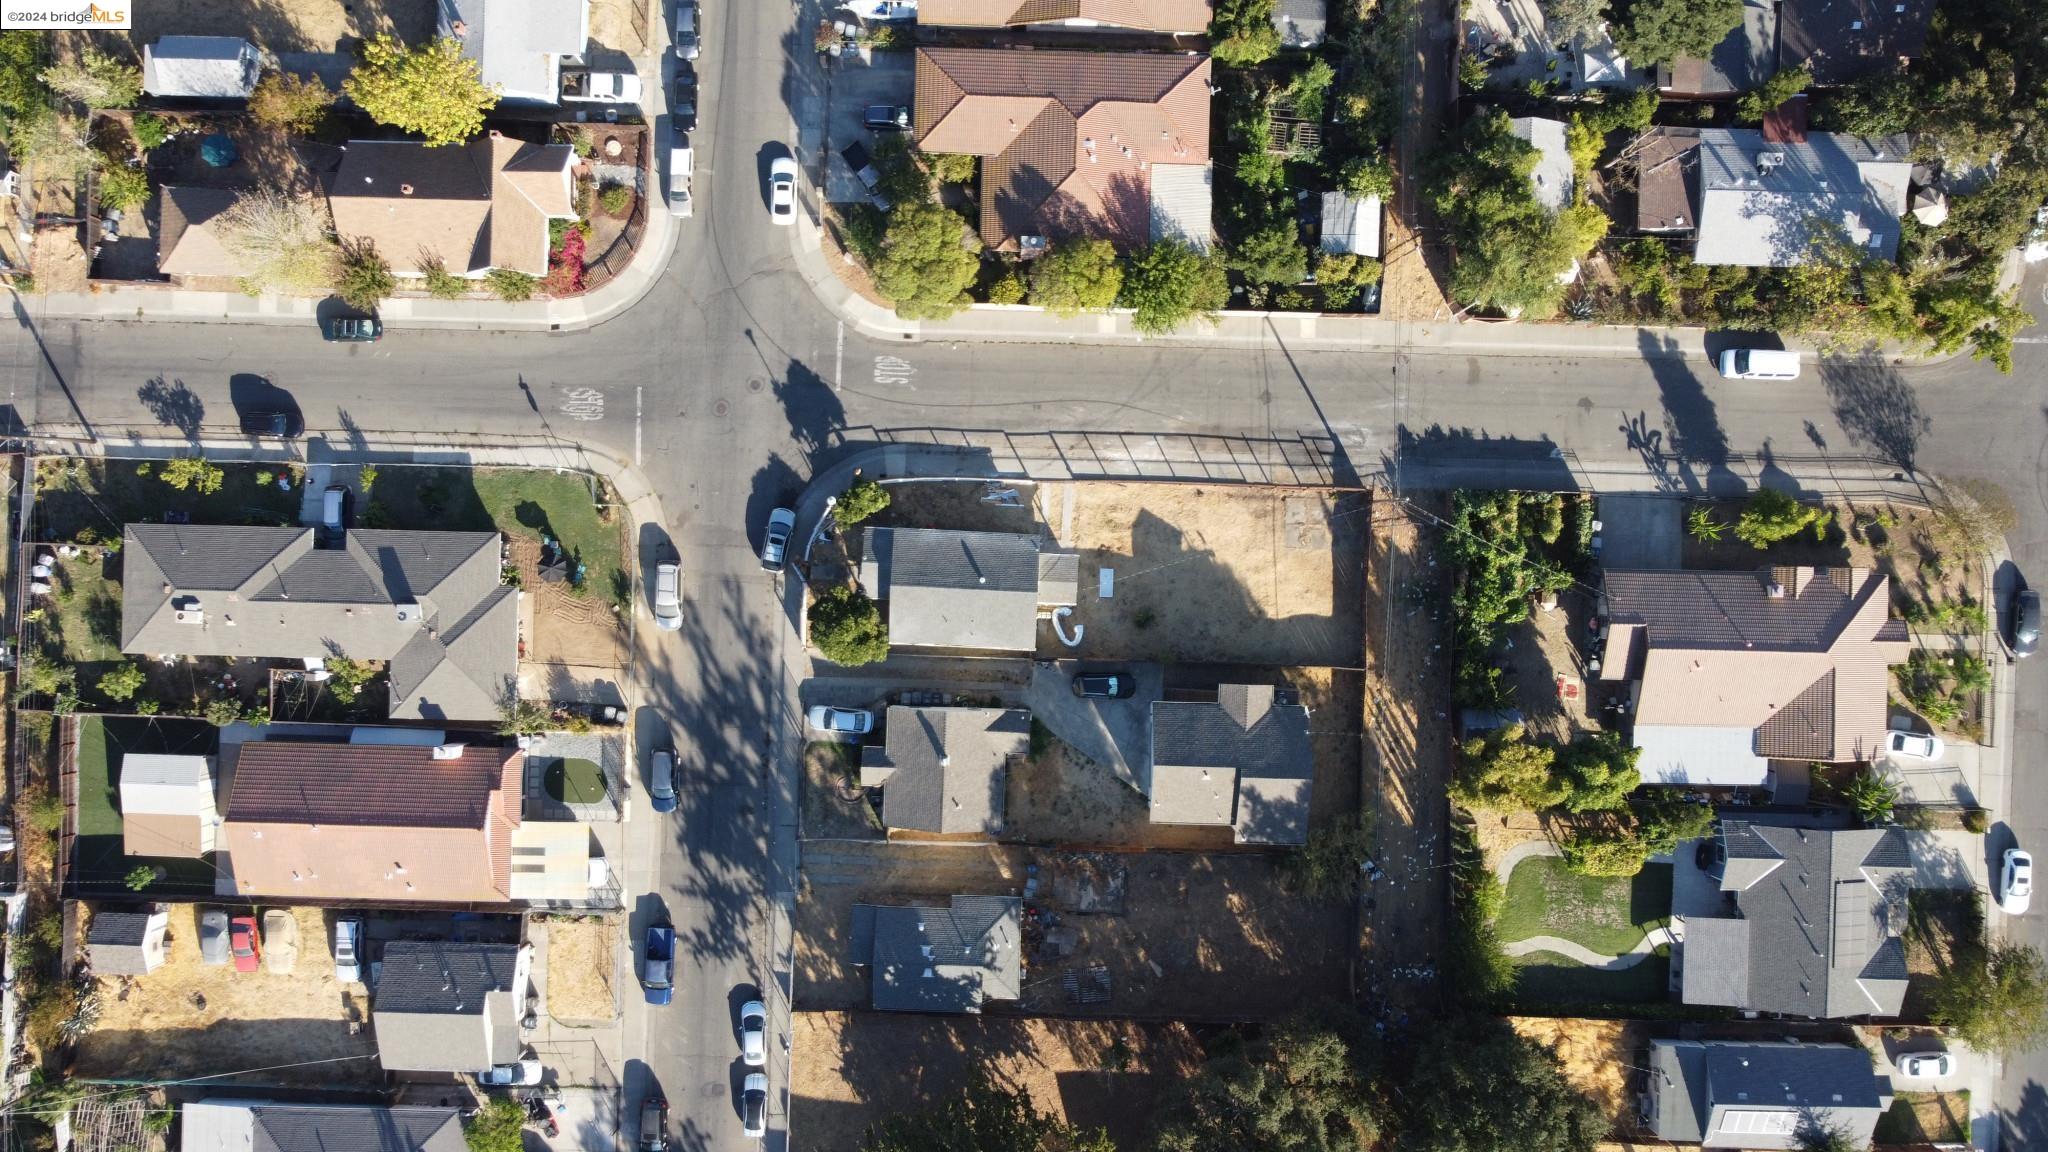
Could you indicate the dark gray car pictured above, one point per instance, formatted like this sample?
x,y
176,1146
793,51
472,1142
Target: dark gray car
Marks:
x,y
2026,622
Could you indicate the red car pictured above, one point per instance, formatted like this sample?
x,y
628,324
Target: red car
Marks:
x,y
242,942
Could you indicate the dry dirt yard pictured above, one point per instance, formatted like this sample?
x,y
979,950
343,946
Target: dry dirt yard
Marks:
x,y
1218,574
1597,1056
189,1019
853,1069
581,966
278,25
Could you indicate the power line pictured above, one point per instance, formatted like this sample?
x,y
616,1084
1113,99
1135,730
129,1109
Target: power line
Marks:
x,y
147,1084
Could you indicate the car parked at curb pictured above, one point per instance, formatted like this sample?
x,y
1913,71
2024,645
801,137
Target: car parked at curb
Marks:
x,y
840,721
243,942
782,191
352,329
654,1125
213,936
1925,1065
2026,622
668,597
754,1105
775,540
661,778
753,1033
348,946
658,963
689,39
273,423
1913,745
2016,882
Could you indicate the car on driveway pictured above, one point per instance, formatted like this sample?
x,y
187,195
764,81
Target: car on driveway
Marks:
x,y
242,942
519,1073
348,947
668,597
658,964
2016,882
2026,622
1105,686
213,936
1913,746
775,541
274,423
840,721
1925,1065
753,1033
352,329
886,118
863,168
661,778
653,1124
754,1105
782,190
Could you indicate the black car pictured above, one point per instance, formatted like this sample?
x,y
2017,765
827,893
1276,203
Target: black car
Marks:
x,y
2026,622
1105,686
1708,855
271,422
353,329
886,118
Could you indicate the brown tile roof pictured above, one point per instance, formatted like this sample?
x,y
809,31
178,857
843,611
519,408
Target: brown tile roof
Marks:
x,y
186,242
1069,137
1149,15
484,204
366,822
1667,164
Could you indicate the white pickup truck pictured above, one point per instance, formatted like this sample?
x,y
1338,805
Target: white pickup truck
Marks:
x,y
679,183
581,84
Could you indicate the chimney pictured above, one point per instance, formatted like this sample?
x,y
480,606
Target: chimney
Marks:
x,y
405,189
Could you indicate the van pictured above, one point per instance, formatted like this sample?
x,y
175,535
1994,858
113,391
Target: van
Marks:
x,y
679,183
334,508
1759,364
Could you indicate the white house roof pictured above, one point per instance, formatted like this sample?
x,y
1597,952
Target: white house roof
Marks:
x,y
1760,200
1351,224
1703,755
203,67
167,785
518,44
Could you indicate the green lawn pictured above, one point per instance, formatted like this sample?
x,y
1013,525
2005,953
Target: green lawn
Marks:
x,y
520,501
1604,913
98,863
1547,978
82,617
87,500
575,781
1925,1118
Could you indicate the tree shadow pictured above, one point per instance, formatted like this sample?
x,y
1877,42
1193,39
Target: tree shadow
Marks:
x,y
174,405
1692,426
812,408
1876,407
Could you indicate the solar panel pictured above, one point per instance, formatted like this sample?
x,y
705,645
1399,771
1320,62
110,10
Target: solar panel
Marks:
x,y
1755,1122
1852,923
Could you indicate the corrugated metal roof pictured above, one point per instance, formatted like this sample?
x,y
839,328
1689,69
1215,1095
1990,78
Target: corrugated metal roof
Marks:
x,y
200,67
1351,224
1183,205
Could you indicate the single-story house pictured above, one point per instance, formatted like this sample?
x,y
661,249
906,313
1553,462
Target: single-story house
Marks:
x,y
1810,925
201,67
1189,17
1667,167
945,769
375,822
970,590
925,958
1840,41
449,1006
433,604
1242,761
1742,61
127,942
187,244
476,206
167,806
1728,1094
1728,671
263,1126
1301,24
519,44
1552,177
1763,196
1351,224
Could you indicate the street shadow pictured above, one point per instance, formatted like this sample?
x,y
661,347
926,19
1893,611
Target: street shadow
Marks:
x,y
2027,1125
1693,442
1444,457
812,408
252,394
174,405
1876,407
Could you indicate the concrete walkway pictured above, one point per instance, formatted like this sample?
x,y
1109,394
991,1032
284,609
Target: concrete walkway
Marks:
x,y
1655,939
1505,866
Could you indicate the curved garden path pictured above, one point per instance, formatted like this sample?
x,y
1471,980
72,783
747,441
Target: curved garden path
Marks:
x,y
1529,849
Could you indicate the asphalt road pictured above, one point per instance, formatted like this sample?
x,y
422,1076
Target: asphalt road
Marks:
x,y
729,384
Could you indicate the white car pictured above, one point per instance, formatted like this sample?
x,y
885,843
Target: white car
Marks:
x,y
754,1105
520,1074
775,541
668,597
348,944
753,1033
1925,1065
840,721
2016,882
1913,746
782,190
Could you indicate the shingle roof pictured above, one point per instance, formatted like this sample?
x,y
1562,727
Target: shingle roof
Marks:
x,y
444,1006
1768,213
1841,40
945,959
1300,22
1242,760
1720,1092
1667,162
1148,15
187,244
258,1126
480,205
945,769
219,590
123,943
1070,139
951,589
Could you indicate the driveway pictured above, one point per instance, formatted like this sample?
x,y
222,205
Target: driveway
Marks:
x,y
853,85
1638,532
1116,734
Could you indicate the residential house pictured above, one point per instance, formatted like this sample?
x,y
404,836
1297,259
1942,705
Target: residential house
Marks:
x,y
968,590
263,1126
448,1006
1110,144
1728,671
201,67
476,206
1667,168
518,45
1242,762
1351,224
1840,41
945,769
1552,177
127,942
1724,1094
1742,61
1763,198
433,604
1809,925
389,823
1183,17
187,243
925,958
167,806
1301,24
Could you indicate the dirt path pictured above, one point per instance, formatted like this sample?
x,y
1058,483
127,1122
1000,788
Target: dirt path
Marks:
x,y
1415,270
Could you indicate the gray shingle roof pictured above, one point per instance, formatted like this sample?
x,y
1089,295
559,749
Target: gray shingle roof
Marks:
x,y
945,769
1243,760
307,1128
950,959
120,943
1737,1095
445,1006
217,590
1300,22
1763,213
950,589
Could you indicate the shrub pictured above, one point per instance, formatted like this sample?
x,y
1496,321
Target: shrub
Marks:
x,y
1472,75
1078,275
1343,276
1363,176
150,131
927,261
123,188
1702,526
289,103
862,499
441,283
615,199
1977,820
221,713
847,628
1007,290
123,682
1168,284
193,473
951,168
1871,796
1772,516
140,877
366,277
511,285
47,813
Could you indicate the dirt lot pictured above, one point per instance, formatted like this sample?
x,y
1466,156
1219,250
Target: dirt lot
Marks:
x,y
1195,932
188,1019
1543,652
279,25
1239,575
853,1070
581,967
624,25
828,809
1597,1055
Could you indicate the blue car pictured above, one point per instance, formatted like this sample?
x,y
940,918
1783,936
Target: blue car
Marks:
x,y
658,966
661,779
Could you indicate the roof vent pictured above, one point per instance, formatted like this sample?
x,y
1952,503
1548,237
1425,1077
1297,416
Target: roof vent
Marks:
x,y
407,613
448,752
191,615
927,973
167,587
405,189
1769,161
458,29
1774,590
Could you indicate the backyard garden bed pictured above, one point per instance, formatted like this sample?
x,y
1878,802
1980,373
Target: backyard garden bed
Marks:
x,y
91,501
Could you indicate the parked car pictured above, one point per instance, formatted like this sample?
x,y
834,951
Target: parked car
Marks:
x,y
348,944
886,118
1913,745
679,166
862,166
1105,686
754,1104
213,936
585,86
519,1073
2026,622
653,1124
689,42
352,329
242,941
1759,364
840,721
753,1033
661,778
1925,1065
658,964
775,541
668,597
335,505
2016,882
1709,854
272,422
782,190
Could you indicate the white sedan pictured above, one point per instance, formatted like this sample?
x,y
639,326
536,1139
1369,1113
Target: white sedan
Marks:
x,y
1913,746
2016,882
753,1032
1925,1065
840,721
782,190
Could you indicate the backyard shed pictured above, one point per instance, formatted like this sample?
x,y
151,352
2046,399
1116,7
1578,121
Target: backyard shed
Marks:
x,y
167,806
201,67
1351,224
127,943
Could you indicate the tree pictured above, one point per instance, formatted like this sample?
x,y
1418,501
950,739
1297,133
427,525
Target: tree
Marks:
x,y
1309,87
1772,516
1271,254
55,142
1363,176
861,499
1568,20
928,259
433,89
1077,276
985,1116
285,101
1167,283
281,239
41,676
1328,865
96,80
1478,1086
1007,289
1871,796
1295,1089
1779,87
1600,770
498,1126
847,628
192,473
123,187
1995,996
1657,31
521,717
122,682
1606,852
1501,769
1509,251
150,131
365,278
1664,820
952,168
1878,104
1241,34
1343,276
346,677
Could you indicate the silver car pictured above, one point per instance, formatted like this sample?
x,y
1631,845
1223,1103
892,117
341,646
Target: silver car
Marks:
x,y
213,936
348,944
668,597
688,39
753,1033
754,1105
840,721
775,541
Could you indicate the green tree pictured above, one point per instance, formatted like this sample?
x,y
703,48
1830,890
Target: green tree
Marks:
x,y
1296,1088
365,278
1008,289
192,473
1600,770
286,102
96,80
122,681
346,677
1167,284
1328,865
847,628
1995,996
1241,33
1771,516
1657,31
41,676
1309,87
511,285
150,131
1871,796
499,1126
1343,276
122,187
985,1116
1501,769
1663,821
1363,176
1781,86
861,499
433,89
1879,104
1606,852
1477,1086
1567,20
1509,252
951,167
928,259
1270,254
1077,276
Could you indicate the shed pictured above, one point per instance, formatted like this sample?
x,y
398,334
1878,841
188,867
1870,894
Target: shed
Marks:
x,y
127,942
1351,224
167,806
201,67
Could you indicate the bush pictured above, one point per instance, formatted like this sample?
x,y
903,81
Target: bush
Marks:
x,y
511,285
441,283
862,499
121,683
193,473
47,813
1009,289
1241,34
1363,176
615,199
1701,525
928,259
847,628
150,131
1168,284
1472,74
1977,820
366,277
1077,276
289,103
498,1126
123,188
1772,516
1343,276
952,168
1327,867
